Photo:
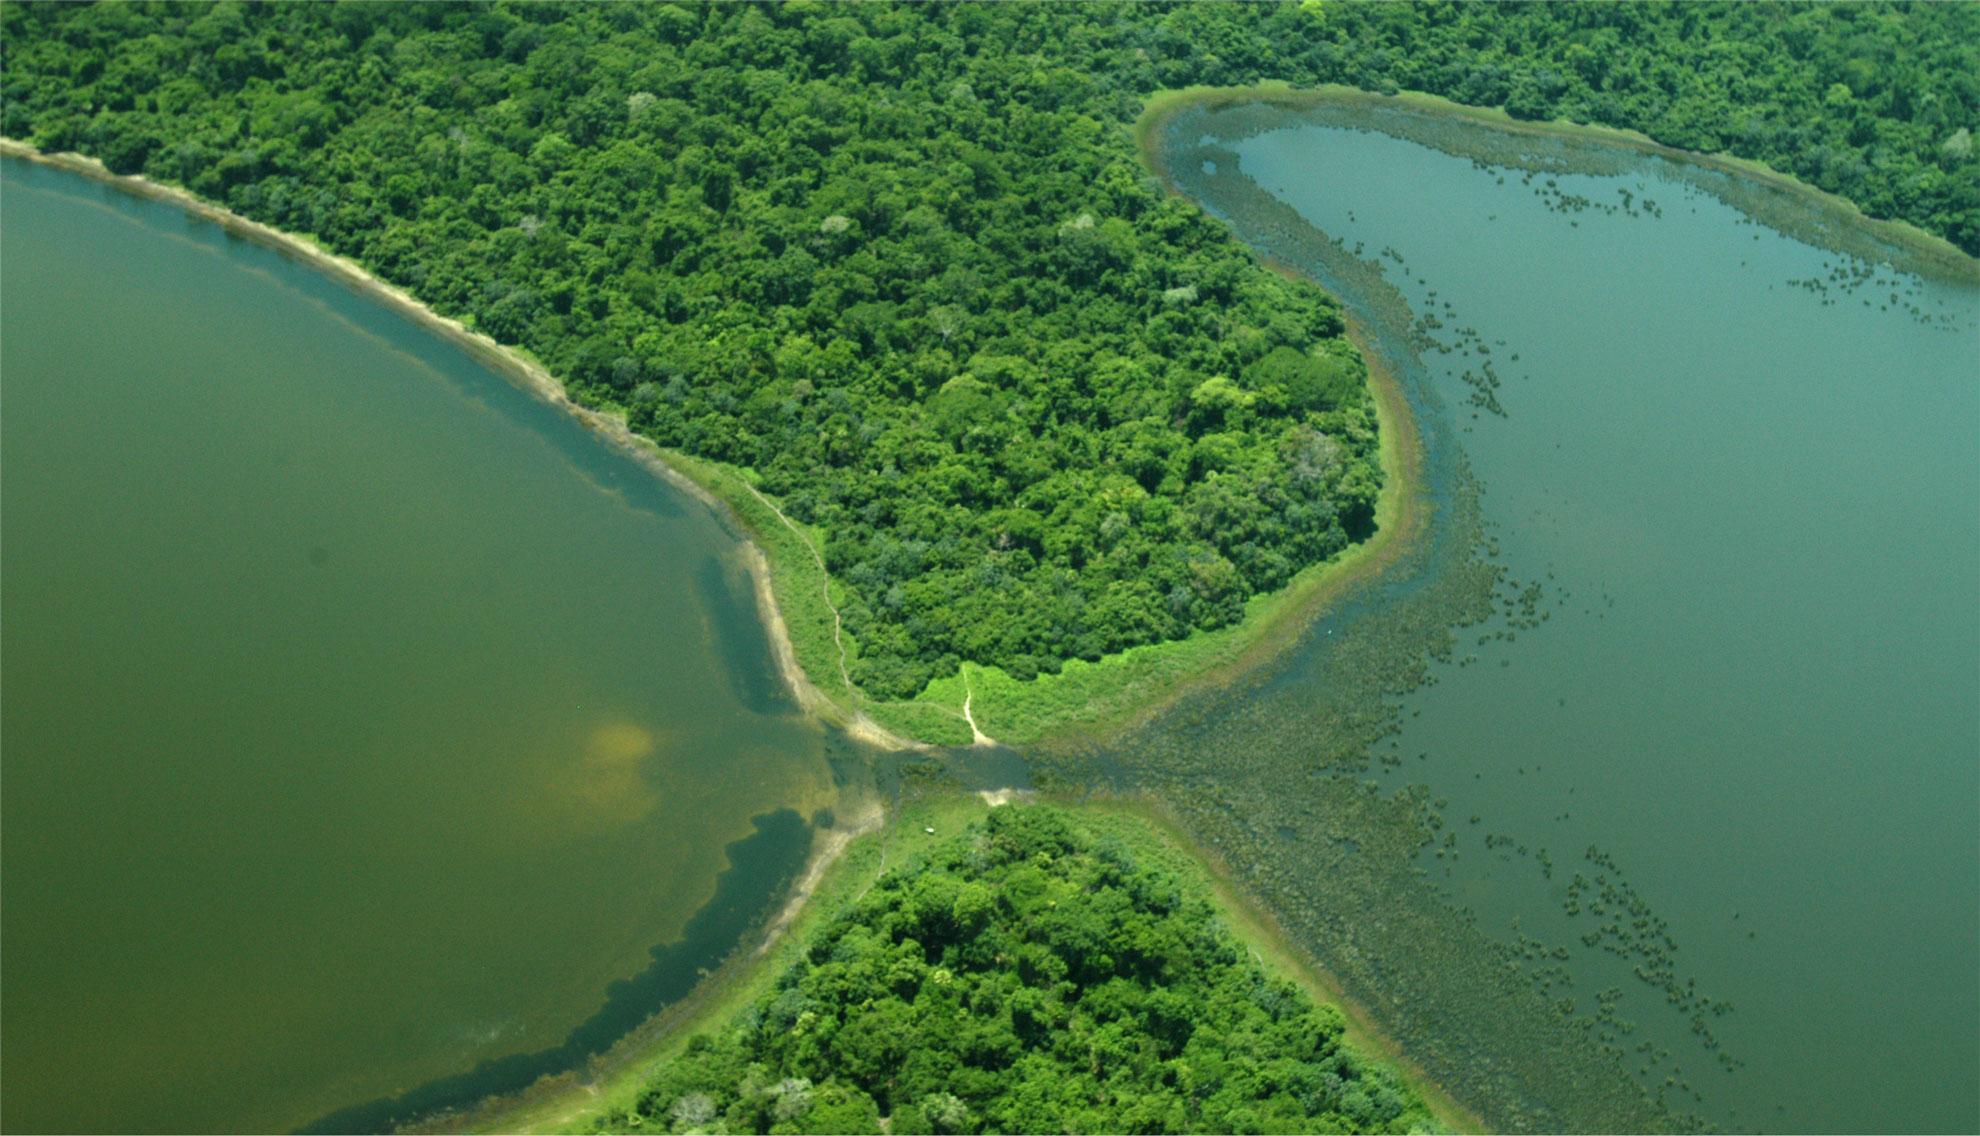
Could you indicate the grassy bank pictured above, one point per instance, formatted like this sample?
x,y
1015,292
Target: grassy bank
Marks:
x,y
803,627
1155,836
792,583
1088,697
1120,690
573,1101
1102,697
798,598
570,1101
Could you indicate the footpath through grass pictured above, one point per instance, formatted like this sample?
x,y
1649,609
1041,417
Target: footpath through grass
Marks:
x,y
1084,697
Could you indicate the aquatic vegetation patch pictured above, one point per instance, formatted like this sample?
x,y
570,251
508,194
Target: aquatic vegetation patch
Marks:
x,y
1267,778
1268,773
1541,150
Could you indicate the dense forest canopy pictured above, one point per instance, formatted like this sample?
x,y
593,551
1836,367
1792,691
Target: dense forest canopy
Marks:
x,y
1026,977
901,261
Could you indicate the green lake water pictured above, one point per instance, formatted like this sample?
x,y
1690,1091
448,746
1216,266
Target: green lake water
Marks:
x,y
374,738
1733,680
366,721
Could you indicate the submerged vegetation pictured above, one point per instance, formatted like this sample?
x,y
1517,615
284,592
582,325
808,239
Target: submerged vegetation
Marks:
x,y
1874,102
1028,975
901,265
901,268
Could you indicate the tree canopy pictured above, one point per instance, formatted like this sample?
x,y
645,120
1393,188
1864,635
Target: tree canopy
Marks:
x,y
1026,977
901,262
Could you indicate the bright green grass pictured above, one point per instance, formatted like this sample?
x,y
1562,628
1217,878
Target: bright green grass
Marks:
x,y
1119,689
1085,697
1102,696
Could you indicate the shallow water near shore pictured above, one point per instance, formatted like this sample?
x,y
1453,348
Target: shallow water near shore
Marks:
x,y
1770,775
366,719
1721,735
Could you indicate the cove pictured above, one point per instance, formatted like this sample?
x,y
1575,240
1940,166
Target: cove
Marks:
x,y
1707,777
367,721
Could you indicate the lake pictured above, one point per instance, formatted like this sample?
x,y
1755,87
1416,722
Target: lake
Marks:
x,y
1710,774
376,737
367,721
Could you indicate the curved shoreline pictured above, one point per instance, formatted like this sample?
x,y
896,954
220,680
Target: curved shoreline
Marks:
x,y
526,373
1180,127
549,1103
1906,246
857,863
1273,622
1272,626
1259,922
1097,701
1301,601
1402,508
1084,700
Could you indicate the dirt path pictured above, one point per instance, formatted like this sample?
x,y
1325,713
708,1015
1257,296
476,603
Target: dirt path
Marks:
x,y
977,737
861,726
838,623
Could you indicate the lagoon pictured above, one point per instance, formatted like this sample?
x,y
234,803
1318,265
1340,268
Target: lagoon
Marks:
x,y
1732,477
366,719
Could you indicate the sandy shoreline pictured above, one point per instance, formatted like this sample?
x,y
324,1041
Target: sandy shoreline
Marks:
x,y
530,375
553,1102
518,368
1403,523
846,713
857,724
1382,551
832,844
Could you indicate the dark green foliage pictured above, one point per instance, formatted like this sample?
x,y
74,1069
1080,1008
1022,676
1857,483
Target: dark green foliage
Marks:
x,y
902,261
1315,382
895,261
1026,978
1875,102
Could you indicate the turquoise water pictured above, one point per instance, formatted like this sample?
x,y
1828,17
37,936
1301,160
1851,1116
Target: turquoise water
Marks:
x,y
1741,477
366,720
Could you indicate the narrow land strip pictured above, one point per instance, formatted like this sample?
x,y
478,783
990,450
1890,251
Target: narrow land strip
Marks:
x,y
566,1103
562,1101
